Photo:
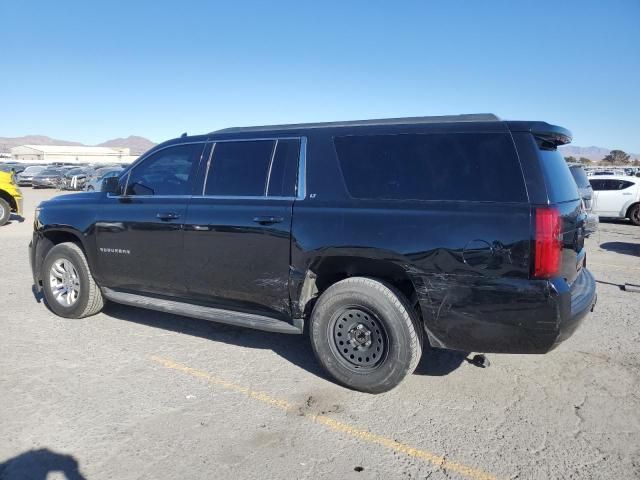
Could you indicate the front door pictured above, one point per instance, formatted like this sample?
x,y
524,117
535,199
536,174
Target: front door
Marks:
x,y
140,231
238,233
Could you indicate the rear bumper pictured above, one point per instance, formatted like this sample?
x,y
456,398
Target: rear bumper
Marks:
x,y
591,224
574,303
44,183
506,315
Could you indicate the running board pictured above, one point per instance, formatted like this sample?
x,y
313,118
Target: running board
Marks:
x,y
219,315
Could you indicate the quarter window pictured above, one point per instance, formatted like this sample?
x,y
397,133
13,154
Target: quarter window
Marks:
x,y
166,172
610,184
462,166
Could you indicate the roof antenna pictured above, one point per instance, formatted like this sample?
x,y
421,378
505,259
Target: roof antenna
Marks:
x,y
183,135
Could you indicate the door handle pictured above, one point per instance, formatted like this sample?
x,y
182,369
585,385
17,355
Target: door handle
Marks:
x,y
167,215
267,220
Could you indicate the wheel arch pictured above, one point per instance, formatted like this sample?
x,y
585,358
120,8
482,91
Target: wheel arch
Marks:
x,y
627,213
50,238
9,199
327,270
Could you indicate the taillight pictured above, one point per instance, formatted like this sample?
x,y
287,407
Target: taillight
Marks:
x,y
548,245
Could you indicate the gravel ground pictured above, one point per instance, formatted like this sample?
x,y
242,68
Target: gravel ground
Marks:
x,y
131,394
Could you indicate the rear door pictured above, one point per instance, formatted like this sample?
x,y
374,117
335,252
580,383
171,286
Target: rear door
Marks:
x,y
238,232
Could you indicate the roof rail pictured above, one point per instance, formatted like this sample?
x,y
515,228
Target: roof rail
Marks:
x,y
470,117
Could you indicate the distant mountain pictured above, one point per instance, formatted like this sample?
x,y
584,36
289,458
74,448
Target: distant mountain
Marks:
x,y
592,153
6,143
137,145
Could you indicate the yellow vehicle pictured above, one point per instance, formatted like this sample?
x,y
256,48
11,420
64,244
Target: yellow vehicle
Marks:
x,y
10,197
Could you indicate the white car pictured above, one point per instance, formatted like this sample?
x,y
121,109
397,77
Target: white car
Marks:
x,y
616,196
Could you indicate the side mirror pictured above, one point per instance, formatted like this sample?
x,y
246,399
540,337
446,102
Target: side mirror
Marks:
x,y
111,185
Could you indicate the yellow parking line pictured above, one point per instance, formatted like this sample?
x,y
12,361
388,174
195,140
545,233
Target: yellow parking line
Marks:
x,y
624,267
330,423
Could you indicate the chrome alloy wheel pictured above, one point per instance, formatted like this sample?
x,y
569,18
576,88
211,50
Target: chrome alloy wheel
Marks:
x,y
65,282
1,211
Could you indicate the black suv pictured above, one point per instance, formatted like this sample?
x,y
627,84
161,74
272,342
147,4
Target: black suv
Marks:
x,y
373,236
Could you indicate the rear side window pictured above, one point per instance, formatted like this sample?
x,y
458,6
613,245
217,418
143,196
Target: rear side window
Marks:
x,y
622,184
610,184
254,168
239,168
561,186
283,174
462,166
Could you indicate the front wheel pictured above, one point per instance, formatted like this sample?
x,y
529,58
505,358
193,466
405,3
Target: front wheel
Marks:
x,y
365,334
69,287
5,212
634,214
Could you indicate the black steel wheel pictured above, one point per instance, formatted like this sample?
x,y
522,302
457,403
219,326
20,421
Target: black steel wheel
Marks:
x,y
359,338
365,334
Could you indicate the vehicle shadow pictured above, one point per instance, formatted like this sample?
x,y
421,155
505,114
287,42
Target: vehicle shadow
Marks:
x,y
38,464
437,362
16,218
625,248
615,221
294,348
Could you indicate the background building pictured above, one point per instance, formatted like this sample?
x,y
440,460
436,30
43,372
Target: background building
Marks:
x,y
47,154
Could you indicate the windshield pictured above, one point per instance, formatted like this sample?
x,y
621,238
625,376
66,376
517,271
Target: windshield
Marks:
x,y
51,171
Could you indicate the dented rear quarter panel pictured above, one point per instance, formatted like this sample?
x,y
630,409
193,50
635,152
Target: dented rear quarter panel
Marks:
x,y
468,262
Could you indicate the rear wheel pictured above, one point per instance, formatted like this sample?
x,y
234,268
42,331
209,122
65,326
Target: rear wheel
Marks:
x,y
634,214
5,211
68,285
365,334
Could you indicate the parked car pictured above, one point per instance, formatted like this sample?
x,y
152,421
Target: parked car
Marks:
x,y
75,178
617,197
13,168
464,232
10,197
586,193
48,178
25,177
95,182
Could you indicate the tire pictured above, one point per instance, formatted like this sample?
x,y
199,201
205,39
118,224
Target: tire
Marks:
x,y
634,214
90,188
5,212
366,313
86,299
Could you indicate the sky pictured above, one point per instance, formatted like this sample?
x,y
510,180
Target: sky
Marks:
x,y
91,71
